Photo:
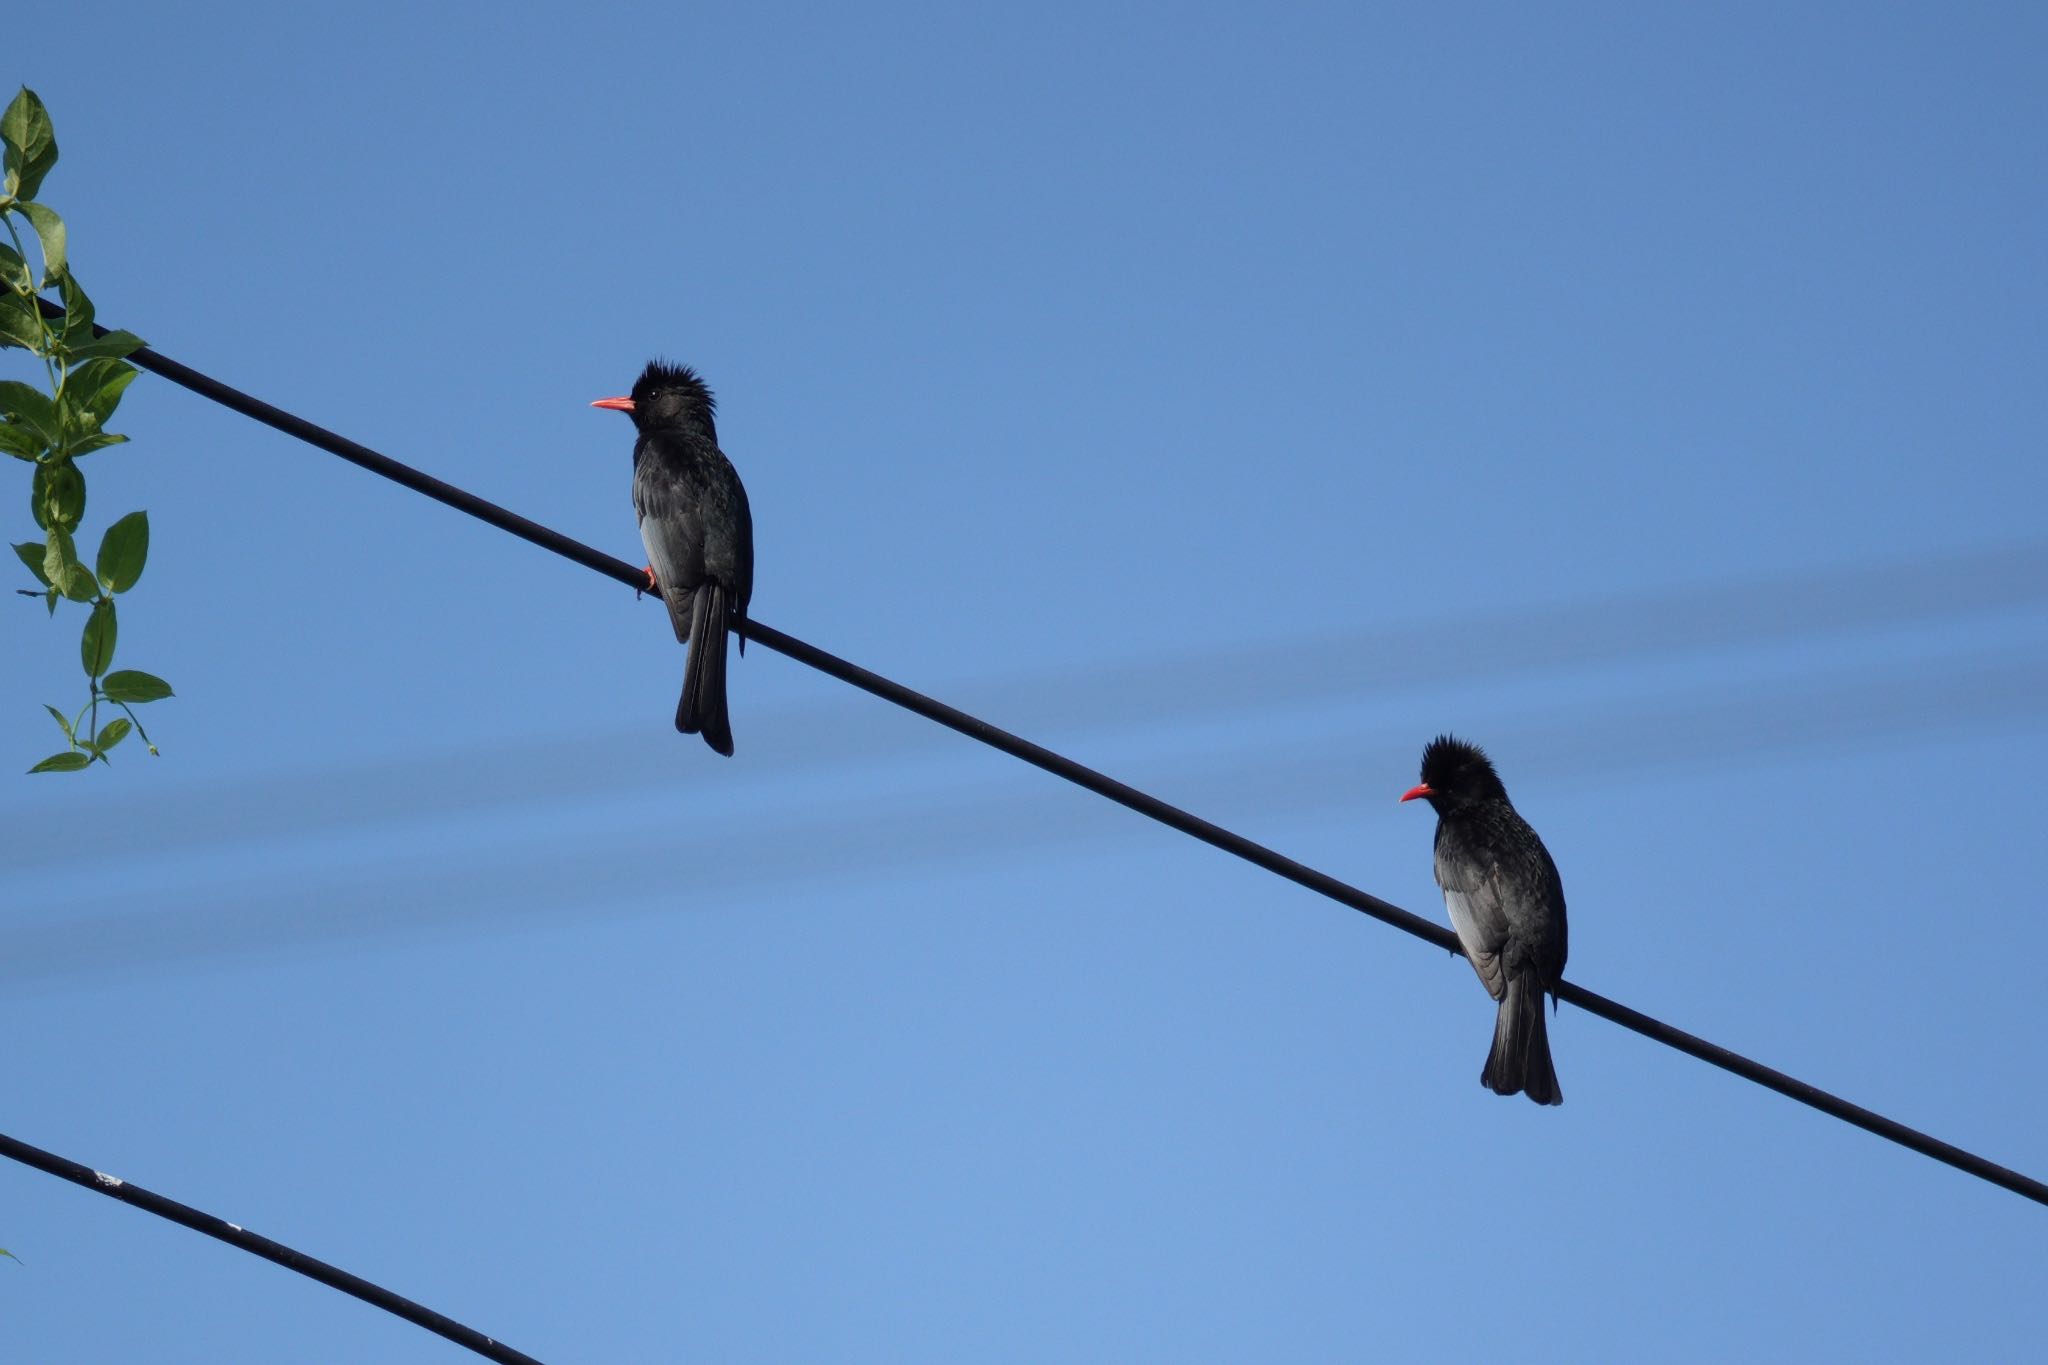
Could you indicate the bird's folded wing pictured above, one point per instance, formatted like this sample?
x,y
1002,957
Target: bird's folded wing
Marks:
x,y
1481,923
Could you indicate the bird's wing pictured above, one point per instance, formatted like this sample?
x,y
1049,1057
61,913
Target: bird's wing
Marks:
x,y
668,574
1472,893
672,529
743,524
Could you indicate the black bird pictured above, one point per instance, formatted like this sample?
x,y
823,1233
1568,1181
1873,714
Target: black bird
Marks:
x,y
698,532
1507,904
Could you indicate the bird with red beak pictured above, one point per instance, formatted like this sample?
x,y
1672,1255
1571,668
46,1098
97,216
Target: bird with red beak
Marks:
x,y
1507,903
698,530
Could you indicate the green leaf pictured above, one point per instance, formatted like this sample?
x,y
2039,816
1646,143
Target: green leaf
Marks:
x,y
122,551
99,440
19,442
31,408
93,391
50,231
112,733
31,554
77,308
31,144
70,761
66,574
18,323
57,495
96,645
63,571
63,721
14,270
58,555
79,585
113,345
134,687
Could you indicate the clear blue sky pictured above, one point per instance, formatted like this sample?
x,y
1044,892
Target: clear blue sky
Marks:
x,y
1231,397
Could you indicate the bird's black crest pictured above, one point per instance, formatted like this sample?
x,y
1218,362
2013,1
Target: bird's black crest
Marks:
x,y
664,378
1457,768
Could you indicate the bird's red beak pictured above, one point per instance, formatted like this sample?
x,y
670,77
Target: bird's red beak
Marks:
x,y
1424,790
616,404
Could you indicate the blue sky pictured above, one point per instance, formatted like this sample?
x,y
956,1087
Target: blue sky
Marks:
x,y
1233,399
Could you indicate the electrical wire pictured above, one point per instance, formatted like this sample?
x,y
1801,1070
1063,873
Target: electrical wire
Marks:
x,y
1079,774
237,1236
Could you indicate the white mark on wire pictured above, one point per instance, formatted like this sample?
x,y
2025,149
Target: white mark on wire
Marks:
x,y
112,1182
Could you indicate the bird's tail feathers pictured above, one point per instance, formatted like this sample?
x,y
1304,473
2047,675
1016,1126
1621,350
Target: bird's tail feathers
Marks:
x,y
702,708
1520,1059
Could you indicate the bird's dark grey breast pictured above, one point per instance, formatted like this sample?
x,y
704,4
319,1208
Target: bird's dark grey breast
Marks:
x,y
693,513
1510,885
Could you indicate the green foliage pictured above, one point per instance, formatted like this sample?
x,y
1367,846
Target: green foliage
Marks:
x,y
113,345
18,441
53,427
90,395
122,550
63,571
57,494
96,646
18,325
50,232
30,409
31,145
132,685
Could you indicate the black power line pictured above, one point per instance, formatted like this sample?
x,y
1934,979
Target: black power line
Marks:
x,y
332,1276
1343,893
1099,783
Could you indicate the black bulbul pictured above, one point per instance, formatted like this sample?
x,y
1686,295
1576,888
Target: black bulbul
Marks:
x,y
1507,904
698,532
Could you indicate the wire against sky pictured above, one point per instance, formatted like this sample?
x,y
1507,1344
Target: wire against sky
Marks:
x,y
1345,666
497,885
1060,766
236,1236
